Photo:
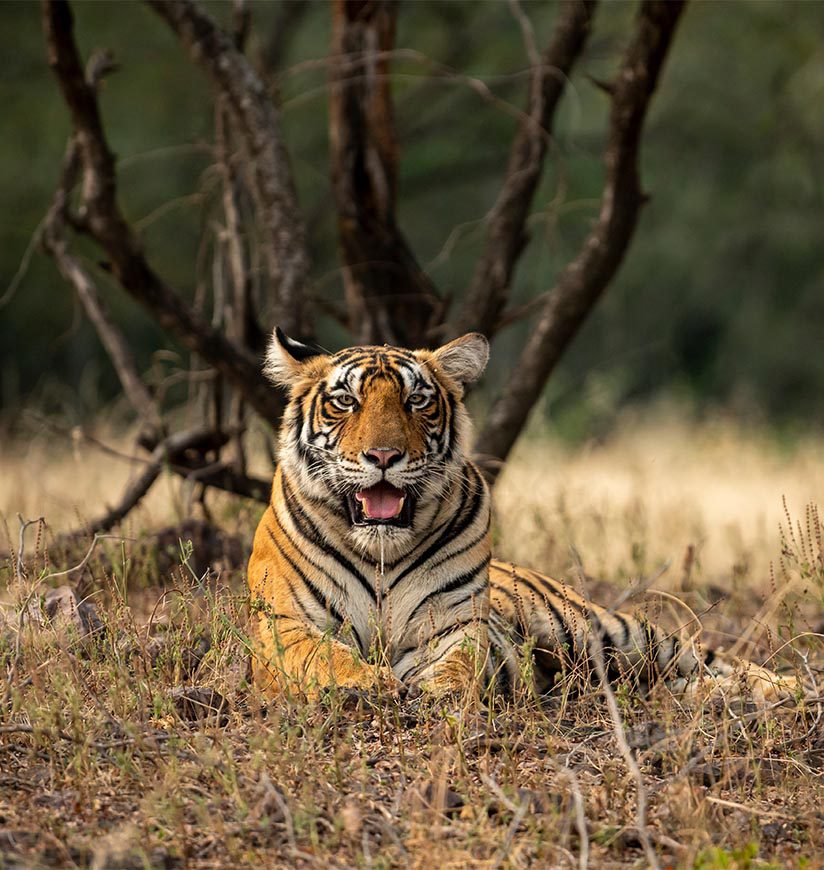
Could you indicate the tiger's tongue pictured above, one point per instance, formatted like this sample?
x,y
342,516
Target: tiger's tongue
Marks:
x,y
381,501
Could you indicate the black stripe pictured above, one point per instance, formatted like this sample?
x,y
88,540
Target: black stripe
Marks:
x,y
298,418
339,586
369,372
450,425
521,632
473,543
317,567
455,626
568,640
351,356
420,666
556,587
313,407
316,592
653,648
455,583
310,531
391,565
609,652
360,638
284,647
622,621
608,647
271,615
675,655
501,669
392,374
290,585
472,593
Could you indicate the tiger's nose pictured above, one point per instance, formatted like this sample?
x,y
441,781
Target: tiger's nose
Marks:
x,y
383,457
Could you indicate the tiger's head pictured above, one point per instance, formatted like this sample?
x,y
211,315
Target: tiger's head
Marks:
x,y
377,433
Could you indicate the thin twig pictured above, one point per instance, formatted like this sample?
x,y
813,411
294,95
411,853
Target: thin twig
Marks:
x,y
580,815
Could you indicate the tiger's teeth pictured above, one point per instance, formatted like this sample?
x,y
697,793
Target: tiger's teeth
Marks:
x,y
400,505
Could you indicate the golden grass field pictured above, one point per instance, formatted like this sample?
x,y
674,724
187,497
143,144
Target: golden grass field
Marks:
x,y
101,764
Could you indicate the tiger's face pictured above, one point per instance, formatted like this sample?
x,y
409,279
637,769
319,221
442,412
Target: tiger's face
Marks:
x,y
378,433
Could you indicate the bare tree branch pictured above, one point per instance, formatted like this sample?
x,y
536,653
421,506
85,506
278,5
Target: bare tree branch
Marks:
x,y
389,297
241,23
54,242
103,219
110,334
583,280
220,475
169,450
256,122
506,235
236,312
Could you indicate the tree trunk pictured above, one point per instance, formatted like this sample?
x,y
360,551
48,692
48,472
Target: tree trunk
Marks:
x,y
389,297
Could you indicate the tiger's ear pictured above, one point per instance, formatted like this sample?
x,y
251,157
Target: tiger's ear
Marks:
x,y
286,358
463,359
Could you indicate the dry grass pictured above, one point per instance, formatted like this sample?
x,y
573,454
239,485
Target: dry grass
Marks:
x,y
100,767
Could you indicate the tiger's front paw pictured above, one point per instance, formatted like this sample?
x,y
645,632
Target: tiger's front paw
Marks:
x,y
455,677
369,680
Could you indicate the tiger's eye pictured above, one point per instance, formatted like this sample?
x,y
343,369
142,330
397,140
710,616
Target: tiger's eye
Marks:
x,y
418,400
344,401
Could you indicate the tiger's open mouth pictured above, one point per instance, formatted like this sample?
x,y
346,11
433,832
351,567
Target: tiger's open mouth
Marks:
x,y
381,505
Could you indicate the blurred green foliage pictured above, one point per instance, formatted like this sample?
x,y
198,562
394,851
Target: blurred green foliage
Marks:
x,y
720,300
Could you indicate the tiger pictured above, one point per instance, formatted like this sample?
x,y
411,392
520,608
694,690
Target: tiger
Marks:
x,y
371,566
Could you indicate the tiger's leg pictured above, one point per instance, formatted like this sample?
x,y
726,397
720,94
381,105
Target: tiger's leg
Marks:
x,y
687,667
296,657
734,677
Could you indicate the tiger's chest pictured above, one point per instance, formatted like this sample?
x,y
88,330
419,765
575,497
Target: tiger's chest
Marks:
x,y
398,607
388,613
